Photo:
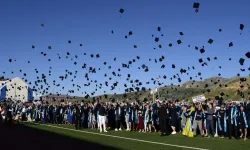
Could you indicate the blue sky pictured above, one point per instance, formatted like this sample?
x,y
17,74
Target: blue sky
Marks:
x,y
91,23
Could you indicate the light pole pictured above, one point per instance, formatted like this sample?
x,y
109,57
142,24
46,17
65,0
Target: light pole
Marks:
x,y
15,91
158,80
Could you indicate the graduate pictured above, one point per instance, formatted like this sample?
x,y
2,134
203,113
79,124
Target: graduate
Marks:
x,y
232,121
140,126
150,118
197,120
118,118
243,124
127,117
188,130
43,115
146,118
163,115
155,118
90,115
136,117
173,117
131,117
77,117
70,115
183,117
222,121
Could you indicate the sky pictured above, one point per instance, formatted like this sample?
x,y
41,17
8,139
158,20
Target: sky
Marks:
x,y
91,22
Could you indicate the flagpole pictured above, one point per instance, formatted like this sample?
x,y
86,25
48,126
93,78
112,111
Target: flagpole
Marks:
x,y
153,97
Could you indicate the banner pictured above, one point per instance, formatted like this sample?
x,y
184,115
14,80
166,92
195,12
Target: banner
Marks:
x,y
199,98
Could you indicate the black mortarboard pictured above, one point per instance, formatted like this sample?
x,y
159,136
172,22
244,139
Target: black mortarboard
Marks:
x,y
69,41
248,54
173,66
159,29
80,44
181,33
230,44
157,39
170,44
179,41
49,47
241,26
241,61
210,41
130,33
121,10
220,30
243,79
202,51
42,25
196,5
200,60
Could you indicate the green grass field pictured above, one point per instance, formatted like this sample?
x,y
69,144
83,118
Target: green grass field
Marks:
x,y
146,141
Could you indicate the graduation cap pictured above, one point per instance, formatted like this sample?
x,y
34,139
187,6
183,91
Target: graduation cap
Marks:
x,y
196,6
179,41
130,33
248,54
49,47
42,25
210,41
69,41
157,39
230,44
202,50
200,61
135,46
121,11
158,29
241,61
81,45
243,79
181,33
170,45
220,30
241,27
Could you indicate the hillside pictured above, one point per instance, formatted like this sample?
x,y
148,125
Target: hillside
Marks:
x,y
208,83
213,88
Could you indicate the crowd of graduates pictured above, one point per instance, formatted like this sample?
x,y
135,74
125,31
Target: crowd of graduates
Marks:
x,y
207,119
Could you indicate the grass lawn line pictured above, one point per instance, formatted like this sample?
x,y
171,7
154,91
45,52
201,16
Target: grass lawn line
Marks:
x,y
111,140
178,139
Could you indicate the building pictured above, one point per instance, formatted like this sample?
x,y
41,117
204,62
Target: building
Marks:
x,y
15,89
55,97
